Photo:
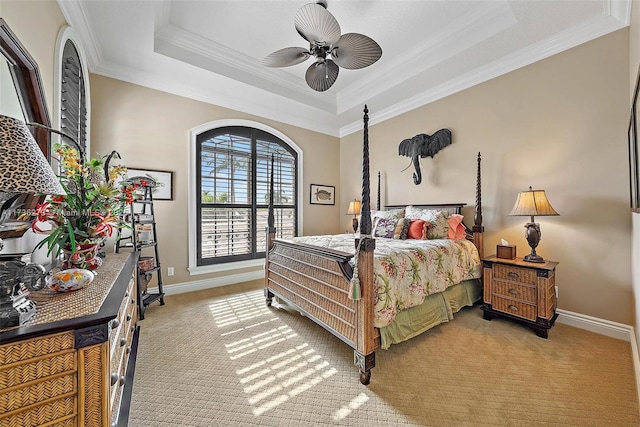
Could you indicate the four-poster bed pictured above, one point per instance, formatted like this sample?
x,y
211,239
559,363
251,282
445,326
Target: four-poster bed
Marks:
x,y
321,282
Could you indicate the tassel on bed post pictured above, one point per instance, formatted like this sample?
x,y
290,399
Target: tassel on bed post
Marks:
x,y
271,235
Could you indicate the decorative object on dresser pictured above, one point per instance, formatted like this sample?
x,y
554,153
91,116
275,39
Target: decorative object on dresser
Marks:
x,y
69,280
87,211
354,209
520,291
23,169
320,28
74,362
533,203
506,251
140,214
421,146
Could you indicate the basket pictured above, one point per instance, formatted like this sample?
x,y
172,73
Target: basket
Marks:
x,y
146,263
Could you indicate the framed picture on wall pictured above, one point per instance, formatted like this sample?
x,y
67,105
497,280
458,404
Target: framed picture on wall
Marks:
x,y
323,194
161,180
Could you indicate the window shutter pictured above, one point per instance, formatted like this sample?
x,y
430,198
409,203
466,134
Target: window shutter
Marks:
x,y
73,114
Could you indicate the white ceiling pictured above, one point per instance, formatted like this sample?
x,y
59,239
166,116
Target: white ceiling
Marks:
x,y
211,50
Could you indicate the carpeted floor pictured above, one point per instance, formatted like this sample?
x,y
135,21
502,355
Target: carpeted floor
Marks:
x,y
210,359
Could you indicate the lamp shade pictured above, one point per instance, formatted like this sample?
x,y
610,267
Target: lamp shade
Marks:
x,y
354,207
533,203
23,167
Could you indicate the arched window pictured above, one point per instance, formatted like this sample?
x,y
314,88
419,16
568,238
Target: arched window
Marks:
x,y
232,173
72,106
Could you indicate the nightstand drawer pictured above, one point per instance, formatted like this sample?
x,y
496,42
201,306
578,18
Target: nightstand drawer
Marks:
x,y
515,291
515,308
514,274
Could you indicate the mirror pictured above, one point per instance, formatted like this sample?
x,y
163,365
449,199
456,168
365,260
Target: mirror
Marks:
x,y
25,77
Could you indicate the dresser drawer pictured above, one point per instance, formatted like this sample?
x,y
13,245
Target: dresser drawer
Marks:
x,y
515,274
515,308
38,381
515,291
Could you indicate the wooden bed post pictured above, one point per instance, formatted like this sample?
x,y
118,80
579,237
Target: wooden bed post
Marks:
x,y
364,355
478,228
271,234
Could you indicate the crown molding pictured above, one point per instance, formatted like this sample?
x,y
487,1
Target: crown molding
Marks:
x,y
248,101
467,31
573,37
76,16
184,45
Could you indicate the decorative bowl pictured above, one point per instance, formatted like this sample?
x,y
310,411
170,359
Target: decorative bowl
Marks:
x,y
71,279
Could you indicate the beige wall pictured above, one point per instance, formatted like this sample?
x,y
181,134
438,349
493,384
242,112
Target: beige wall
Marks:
x,y
559,125
36,24
150,129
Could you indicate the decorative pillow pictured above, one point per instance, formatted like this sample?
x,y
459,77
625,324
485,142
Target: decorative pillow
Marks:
x,y
456,227
402,228
418,229
394,214
390,214
384,227
439,228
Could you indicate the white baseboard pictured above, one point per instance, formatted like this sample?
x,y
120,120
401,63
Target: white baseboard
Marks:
x,y
594,324
198,285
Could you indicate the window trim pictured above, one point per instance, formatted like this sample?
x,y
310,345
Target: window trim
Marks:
x,y
192,211
65,34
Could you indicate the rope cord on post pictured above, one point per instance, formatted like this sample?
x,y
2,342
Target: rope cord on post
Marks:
x,y
354,284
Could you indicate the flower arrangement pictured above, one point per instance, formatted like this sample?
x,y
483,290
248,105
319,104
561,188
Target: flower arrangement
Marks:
x,y
89,211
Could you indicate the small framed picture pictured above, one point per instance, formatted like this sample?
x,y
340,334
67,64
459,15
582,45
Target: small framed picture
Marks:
x,y
162,181
323,194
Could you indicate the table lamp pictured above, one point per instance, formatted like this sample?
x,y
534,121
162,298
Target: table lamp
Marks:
x,y
354,209
533,203
23,169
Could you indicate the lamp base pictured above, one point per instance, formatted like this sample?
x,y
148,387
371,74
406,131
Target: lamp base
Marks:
x,y
354,223
16,310
534,258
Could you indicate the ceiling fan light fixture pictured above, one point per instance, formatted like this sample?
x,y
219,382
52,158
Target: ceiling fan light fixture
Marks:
x,y
320,28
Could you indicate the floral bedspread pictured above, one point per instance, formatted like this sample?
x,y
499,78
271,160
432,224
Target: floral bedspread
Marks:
x,y
407,271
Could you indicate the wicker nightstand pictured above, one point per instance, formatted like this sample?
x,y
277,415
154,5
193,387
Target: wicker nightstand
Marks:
x,y
520,290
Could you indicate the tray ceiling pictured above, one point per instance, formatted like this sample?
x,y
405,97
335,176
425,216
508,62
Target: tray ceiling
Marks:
x,y
211,50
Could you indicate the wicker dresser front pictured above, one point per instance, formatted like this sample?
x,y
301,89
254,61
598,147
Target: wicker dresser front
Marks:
x,y
69,365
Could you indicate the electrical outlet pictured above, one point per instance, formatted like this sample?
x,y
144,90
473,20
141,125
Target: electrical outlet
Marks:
x,y
170,271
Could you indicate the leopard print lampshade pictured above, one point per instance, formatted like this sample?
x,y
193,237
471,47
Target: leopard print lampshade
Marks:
x,y
23,167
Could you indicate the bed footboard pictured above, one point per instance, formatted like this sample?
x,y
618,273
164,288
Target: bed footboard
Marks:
x,y
315,281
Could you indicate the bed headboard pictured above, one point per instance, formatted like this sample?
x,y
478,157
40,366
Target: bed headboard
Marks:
x,y
452,208
475,233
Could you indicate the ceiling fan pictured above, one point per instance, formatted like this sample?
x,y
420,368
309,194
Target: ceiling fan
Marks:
x,y
331,49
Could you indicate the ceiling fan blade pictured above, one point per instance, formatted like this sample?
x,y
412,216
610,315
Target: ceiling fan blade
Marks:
x,y
286,57
316,25
355,51
321,76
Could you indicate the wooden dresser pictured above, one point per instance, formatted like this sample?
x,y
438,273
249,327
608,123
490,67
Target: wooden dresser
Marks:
x,y
73,363
520,290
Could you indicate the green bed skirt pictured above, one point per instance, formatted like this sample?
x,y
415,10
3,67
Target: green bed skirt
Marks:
x,y
436,309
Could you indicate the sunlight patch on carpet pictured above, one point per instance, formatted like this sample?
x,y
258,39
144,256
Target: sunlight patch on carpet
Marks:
x,y
287,365
355,403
